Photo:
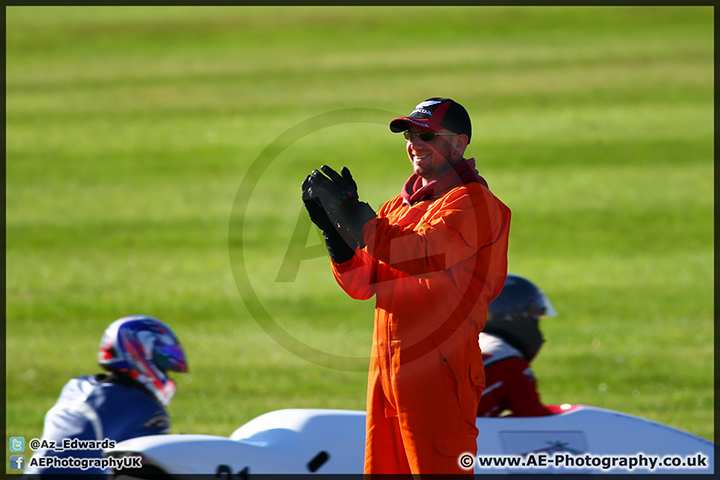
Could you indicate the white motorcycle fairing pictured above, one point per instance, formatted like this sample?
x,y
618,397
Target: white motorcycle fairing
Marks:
x,y
333,441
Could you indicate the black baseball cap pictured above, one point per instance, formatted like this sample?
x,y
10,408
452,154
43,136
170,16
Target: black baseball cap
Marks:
x,y
436,114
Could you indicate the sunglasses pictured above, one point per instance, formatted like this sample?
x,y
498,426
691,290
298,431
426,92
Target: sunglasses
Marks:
x,y
425,136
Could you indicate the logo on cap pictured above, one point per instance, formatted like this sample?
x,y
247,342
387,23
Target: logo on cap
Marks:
x,y
421,107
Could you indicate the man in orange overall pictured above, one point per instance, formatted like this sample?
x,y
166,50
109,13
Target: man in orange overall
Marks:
x,y
434,257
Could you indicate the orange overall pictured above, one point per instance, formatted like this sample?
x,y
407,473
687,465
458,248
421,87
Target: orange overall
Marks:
x,y
434,267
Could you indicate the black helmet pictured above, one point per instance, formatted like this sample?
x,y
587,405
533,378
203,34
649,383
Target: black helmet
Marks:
x,y
514,315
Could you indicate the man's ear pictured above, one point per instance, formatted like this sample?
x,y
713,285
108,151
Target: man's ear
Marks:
x,y
461,142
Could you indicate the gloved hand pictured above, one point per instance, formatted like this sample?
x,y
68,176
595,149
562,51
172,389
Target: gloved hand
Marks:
x,y
340,247
317,213
338,196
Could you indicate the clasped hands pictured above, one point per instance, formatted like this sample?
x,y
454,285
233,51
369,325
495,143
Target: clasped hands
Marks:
x,y
331,199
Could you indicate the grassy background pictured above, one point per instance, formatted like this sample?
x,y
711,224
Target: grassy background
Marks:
x,y
154,157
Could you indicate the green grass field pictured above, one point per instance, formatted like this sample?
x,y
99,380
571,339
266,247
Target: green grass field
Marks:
x,y
154,157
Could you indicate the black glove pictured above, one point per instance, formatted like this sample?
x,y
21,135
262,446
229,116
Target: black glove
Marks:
x,y
317,213
341,248
338,196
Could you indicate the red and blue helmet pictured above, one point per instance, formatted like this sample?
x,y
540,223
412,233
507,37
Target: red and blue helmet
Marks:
x,y
144,349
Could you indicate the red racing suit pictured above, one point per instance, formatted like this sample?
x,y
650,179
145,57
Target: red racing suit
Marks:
x,y
510,383
434,264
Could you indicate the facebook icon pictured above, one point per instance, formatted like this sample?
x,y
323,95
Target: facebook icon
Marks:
x,y
17,462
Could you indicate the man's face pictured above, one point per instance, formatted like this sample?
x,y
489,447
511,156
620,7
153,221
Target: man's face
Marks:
x,y
432,158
